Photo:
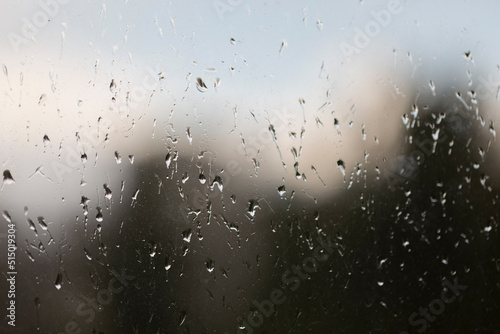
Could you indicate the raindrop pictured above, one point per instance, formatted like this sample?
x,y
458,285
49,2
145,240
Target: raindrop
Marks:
x,y
252,206
134,198
98,216
341,165
168,263
46,140
283,47
202,179
210,265
201,85
109,194
112,86
282,190
233,41
7,177
32,226
187,234
42,99
42,223
217,83
188,134
84,201
168,160
435,134
217,182
152,251
406,120
433,88
7,217
319,24
182,318
87,254
118,157
37,302
467,55
58,283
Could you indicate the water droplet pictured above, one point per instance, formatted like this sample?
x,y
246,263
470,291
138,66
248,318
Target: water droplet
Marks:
x,y
84,201
283,47
168,160
319,24
217,182
118,157
492,130
187,234
112,86
252,206
281,191
32,226
182,318
217,83
201,85
406,120
87,254
210,265
7,217
7,177
468,56
108,192
435,134
152,251
41,222
341,165
202,179
233,41
134,198
168,263
98,216
37,302
42,99
46,140
433,87
58,283
188,134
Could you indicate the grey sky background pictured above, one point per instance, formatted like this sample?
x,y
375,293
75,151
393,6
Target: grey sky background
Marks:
x,y
68,65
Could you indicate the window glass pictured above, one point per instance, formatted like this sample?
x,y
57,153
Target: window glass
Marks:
x,y
235,166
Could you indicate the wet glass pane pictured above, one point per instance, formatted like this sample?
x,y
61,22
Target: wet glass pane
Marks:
x,y
237,166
